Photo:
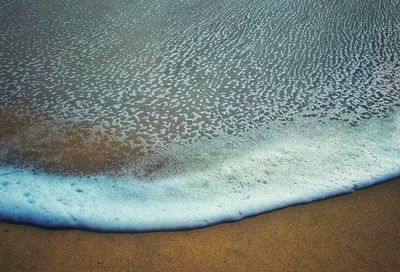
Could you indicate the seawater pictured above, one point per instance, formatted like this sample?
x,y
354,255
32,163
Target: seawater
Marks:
x,y
251,106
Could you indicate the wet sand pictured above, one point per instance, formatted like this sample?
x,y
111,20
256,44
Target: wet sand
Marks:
x,y
354,232
78,148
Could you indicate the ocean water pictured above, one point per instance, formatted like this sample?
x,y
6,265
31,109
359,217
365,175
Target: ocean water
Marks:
x,y
153,115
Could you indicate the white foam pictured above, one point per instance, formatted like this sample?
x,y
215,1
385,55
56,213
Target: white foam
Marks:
x,y
221,179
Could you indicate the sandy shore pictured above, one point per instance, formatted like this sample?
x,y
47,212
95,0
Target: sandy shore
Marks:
x,y
355,232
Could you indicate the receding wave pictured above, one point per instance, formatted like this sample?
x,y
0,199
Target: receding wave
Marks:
x,y
147,115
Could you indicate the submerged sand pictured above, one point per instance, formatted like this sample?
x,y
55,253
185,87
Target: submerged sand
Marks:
x,y
66,147
355,232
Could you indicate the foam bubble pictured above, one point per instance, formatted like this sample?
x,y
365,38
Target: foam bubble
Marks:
x,y
162,114
207,182
174,71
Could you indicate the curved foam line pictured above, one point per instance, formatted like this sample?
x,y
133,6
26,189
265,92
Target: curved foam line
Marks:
x,y
212,181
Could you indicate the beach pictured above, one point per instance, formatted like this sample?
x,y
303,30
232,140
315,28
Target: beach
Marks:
x,y
354,232
243,122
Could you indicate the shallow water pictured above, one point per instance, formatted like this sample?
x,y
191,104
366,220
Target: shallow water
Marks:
x,y
145,115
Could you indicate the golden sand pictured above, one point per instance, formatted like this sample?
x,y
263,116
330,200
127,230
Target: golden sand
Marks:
x,y
354,232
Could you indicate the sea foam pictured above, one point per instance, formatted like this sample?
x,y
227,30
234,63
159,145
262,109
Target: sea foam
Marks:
x,y
215,180
160,114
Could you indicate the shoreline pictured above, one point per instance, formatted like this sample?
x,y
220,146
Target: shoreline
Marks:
x,y
357,231
271,169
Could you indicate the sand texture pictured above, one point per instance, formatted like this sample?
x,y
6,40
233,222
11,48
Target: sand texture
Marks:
x,y
354,232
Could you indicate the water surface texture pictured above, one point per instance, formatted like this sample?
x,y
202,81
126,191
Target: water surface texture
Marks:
x,y
148,115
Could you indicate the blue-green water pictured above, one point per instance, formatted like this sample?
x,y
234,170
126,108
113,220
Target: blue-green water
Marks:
x,y
237,107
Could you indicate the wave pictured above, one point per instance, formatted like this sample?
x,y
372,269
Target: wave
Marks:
x,y
159,114
215,180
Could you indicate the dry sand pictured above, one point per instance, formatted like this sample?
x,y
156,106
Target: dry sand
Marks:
x,y
355,232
